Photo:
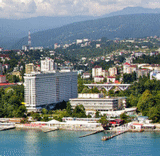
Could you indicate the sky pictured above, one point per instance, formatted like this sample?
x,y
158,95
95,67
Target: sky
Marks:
x,y
16,9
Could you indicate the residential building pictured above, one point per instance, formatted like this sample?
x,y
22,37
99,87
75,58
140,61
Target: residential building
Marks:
x,y
46,89
98,79
78,41
128,68
112,71
29,68
155,75
97,71
155,67
139,54
47,65
153,53
98,45
1,49
17,73
86,75
142,72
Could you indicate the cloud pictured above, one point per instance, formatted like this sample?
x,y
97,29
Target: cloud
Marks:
x,y
32,8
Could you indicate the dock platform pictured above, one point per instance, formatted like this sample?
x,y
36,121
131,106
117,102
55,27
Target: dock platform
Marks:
x,y
6,128
104,138
95,132
46,130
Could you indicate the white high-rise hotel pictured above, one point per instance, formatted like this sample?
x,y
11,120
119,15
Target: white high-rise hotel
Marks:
x,y
49,87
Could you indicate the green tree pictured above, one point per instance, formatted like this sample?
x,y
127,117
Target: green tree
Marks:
x,y
103,121
79,111
36,116
97,114
124,117
21,111
154,114
44,111
144,102
69,109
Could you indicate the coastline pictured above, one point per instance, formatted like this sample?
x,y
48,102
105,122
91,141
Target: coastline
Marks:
x,y
70,128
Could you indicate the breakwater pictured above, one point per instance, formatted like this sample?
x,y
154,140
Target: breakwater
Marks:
x,y
104,138
91,133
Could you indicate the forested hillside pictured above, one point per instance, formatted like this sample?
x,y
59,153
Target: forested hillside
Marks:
x,y
125,26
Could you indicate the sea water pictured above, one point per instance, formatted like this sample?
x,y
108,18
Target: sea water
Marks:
x,y
68,143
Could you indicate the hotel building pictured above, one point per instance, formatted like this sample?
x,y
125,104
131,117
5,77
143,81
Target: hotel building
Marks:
x,y
47,89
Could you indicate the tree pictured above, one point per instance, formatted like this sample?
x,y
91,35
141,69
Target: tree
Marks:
x,y
97,114
36,116
124,117
21,111
69,109
45,118
144,102
79,111
103,121
44,111
111,93
154,114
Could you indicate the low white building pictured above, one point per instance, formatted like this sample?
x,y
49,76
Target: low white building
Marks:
x,y
93,103
86,75
98,79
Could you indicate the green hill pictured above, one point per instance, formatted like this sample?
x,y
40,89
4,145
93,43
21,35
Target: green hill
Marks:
x,y
124,26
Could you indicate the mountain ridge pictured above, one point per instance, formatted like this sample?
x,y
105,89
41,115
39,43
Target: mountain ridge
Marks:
x,y
123,26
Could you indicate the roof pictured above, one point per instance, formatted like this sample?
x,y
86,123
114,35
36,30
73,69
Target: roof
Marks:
x,y
2,76
126,64
97,66
111,77
116,81
86,74
6,84
133,66
138,124
99,76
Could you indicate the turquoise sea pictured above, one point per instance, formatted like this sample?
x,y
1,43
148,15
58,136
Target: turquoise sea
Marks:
x,y
67,143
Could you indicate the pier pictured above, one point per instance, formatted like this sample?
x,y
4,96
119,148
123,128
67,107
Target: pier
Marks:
x,y
6,128
46,130
95,132
104,138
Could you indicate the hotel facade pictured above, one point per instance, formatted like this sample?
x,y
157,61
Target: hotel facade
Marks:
x,y
46,89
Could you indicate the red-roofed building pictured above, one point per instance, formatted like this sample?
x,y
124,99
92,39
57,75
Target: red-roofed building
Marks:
x,y
6,85
137,126
128,68
86,75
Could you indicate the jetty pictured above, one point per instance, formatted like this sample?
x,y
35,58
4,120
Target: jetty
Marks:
x,y
46,130
104,138
6,128
95,132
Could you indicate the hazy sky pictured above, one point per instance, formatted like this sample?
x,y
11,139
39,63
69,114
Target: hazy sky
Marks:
x,y
33,8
